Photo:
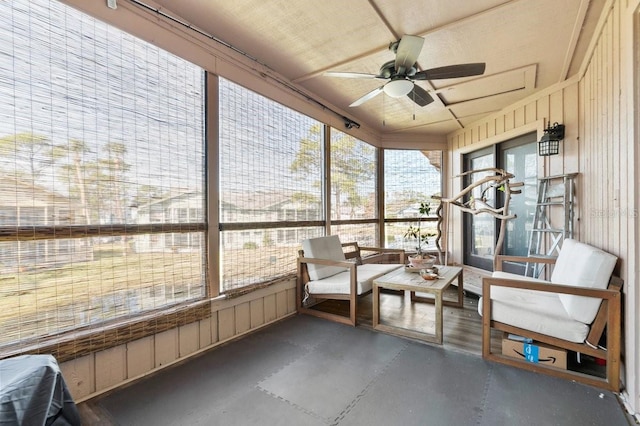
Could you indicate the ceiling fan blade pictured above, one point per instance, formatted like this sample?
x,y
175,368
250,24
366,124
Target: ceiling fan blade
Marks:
x,y
372,94
408,52
350,74
451,71
420,96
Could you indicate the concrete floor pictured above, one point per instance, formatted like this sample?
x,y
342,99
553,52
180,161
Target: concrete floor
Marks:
x,y
309,371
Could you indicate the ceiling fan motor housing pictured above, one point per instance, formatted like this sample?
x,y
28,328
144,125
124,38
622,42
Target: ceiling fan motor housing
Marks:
x,y
388,69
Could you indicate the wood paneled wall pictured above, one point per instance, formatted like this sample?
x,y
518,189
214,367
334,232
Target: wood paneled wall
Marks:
x,y
599,108
101,371
558,104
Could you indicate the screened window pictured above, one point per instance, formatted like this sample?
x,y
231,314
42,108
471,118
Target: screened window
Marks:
x,y
353,189
270,179
100,134
410,178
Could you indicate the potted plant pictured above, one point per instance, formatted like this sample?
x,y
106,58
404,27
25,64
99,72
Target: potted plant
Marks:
x,y
420,259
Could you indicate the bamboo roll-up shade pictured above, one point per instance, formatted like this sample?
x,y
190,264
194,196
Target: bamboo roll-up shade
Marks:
x,y
102,205
353,191
271,186
353,178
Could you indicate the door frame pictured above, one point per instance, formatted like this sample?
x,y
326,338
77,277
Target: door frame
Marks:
x,y
496,150
468,257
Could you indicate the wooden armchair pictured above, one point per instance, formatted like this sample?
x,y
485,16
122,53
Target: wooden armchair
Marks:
x,y
329,269
571,311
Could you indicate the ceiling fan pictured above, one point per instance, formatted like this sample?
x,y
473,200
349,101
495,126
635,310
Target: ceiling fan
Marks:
x,y
402,73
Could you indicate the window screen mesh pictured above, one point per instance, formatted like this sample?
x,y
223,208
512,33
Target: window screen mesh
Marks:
x,y
365,234
270,178
410,178
353,178
100,134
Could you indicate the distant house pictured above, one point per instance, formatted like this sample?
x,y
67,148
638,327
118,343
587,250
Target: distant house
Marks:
x,y
413,211
25,204
236,208
265,207
185,207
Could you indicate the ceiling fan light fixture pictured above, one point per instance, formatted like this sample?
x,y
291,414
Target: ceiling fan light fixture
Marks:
x,y
398,88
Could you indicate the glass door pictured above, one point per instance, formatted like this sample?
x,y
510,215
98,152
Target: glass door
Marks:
x,y
521,161
479,230
519,157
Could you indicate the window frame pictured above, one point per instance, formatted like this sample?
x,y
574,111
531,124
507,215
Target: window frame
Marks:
x,y
433,216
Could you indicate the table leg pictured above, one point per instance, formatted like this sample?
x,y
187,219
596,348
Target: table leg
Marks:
x,y
376,305
438,303
460,291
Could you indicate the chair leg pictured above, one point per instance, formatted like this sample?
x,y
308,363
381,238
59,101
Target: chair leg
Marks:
x,y
353,309
486,325
614,336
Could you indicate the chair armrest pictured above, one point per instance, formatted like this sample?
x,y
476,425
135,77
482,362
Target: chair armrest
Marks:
x,y
501,258
328,262
384,250
487,282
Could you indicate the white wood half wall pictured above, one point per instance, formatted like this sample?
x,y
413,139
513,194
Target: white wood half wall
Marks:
x,y
101,371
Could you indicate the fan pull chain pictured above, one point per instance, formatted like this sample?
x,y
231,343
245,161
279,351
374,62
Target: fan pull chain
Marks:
x,y
414,105
383,111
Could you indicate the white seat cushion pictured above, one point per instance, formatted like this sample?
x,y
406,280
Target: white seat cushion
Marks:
x,y
328,247
475,287
582,265
340,283
538,311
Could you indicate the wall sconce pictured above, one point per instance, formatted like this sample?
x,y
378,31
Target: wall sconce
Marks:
x,y
550,142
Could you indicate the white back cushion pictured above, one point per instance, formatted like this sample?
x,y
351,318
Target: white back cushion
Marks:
x,y
582,265
328,247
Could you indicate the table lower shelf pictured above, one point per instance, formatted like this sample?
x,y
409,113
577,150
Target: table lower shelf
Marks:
x,y
399,280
